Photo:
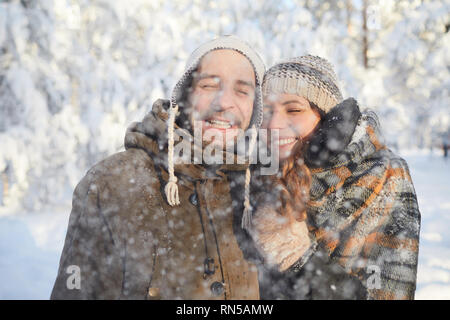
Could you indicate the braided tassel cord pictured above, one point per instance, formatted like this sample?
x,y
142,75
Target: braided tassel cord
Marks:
x,y
171,188
247,214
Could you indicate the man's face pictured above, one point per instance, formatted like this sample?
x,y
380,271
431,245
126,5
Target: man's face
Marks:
x,y
293,116
223,92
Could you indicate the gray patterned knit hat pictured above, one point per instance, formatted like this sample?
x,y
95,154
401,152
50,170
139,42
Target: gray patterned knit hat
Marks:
x,y
308,76
225,42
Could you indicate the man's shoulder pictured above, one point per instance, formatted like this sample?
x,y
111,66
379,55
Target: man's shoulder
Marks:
x,y
120,187
128,163
123,176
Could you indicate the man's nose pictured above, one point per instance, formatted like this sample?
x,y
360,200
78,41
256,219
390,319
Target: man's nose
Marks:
x,y
225,99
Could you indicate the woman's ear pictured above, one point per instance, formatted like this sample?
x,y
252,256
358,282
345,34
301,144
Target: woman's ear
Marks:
x,y
319,112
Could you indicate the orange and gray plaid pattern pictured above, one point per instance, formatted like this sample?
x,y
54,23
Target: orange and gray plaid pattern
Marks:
x,y
364,213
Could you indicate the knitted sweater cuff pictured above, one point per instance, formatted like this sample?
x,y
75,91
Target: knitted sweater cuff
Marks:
x,y
297,266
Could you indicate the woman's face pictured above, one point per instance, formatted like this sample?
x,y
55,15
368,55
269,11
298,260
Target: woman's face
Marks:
x,y
293,116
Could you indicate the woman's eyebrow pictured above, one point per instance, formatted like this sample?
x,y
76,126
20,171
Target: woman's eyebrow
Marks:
x,y
291,101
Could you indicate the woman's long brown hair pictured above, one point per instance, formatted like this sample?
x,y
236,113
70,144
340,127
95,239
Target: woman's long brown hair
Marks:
x,y
294,182
295,179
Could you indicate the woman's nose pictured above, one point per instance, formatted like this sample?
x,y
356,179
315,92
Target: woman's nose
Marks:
x,y
277,120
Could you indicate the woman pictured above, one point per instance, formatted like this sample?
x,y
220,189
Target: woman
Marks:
x,y
297,94
362,211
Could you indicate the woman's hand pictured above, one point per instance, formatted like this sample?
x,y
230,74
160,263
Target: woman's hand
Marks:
x,y
280,240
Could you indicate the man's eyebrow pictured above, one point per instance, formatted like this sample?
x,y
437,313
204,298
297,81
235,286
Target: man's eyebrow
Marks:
x,y
246,83
205,76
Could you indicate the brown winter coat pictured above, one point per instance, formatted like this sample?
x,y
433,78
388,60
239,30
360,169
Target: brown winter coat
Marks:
x,y
130,244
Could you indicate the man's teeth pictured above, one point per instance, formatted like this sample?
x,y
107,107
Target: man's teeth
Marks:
x,y
219,124
287,141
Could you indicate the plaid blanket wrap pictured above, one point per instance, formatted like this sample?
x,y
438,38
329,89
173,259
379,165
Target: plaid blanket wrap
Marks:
x,y
363,210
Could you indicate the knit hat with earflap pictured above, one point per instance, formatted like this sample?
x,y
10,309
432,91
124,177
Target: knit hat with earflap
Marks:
x,y
307,76
179,92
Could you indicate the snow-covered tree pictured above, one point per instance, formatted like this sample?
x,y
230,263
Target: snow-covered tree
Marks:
x,y
74,73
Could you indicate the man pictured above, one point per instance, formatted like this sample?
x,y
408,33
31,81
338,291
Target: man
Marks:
x,y
142,225
362,212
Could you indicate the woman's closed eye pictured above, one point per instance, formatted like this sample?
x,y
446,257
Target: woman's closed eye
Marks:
x,y
295,110
294,107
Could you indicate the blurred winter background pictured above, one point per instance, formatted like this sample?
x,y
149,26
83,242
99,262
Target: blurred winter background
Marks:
x,y
75,73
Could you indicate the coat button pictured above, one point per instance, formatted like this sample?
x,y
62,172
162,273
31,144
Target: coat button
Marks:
x,y
193,199
153,293
209,267
217,288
